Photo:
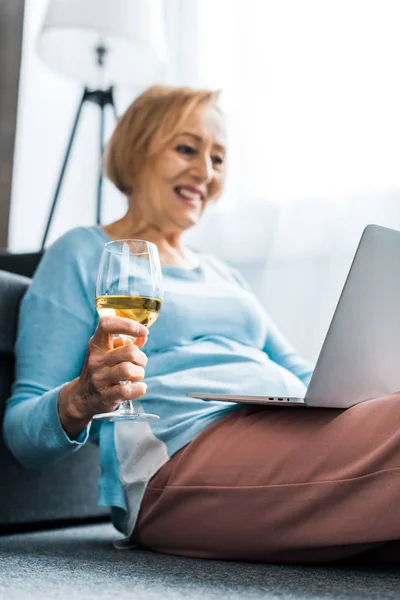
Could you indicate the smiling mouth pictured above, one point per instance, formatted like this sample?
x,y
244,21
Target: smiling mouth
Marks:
x,y
188,196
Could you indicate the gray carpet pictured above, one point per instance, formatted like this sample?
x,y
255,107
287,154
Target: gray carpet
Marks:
x,y
81,563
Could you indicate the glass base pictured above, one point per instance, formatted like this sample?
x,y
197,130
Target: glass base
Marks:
x,y
124,415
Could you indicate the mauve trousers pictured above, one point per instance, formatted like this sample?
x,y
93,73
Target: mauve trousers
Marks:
x,y
275,484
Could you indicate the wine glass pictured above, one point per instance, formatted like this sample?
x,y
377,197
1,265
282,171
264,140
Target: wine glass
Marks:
x,y
129,284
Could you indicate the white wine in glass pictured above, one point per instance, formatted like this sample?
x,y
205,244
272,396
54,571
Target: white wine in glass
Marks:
x,y
139,308
129,284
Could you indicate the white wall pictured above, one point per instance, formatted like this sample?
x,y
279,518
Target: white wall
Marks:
x,y
312,102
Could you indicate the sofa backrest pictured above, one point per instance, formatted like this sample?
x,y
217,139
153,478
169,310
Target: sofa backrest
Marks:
x,y
23,263
63,492
12,288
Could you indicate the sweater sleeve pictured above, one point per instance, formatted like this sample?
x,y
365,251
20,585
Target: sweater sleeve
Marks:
x,y
54,327
277,346
280,351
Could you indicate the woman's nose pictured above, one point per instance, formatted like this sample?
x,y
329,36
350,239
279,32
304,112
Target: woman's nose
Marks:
x,y
204,168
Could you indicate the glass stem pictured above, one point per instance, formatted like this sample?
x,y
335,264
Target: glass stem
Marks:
x,y
128,405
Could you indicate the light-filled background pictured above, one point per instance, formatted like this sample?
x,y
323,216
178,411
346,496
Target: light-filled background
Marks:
x,y
311,91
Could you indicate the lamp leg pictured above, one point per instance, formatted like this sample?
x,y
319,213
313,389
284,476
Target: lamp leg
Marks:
x,y
63,168
100,178
113,107
106,98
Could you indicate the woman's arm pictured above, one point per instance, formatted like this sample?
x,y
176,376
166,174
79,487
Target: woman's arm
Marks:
x,y
277,346
50,351
67,369
46,421
280,351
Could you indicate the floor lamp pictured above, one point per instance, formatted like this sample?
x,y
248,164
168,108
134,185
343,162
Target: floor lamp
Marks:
x,y
102,43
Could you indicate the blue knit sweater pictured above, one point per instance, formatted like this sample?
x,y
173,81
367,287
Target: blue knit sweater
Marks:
x,y
212,335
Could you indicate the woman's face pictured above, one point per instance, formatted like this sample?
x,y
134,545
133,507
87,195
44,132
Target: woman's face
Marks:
x,y
188,174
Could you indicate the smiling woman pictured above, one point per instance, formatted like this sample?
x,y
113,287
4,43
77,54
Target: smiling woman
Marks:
x,y
167,154
187,482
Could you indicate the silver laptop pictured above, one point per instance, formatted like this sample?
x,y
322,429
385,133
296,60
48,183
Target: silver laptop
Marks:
x,y
360,357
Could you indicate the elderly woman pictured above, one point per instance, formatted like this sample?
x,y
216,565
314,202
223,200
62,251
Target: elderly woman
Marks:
x,y
208,479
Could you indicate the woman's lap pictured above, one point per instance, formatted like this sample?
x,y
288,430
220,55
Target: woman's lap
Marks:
x,y
281,485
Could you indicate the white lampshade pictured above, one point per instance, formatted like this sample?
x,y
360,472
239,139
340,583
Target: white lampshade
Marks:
x,y
132,31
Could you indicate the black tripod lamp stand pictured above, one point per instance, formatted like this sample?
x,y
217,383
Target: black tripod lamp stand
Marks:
x,y
102,98
102,42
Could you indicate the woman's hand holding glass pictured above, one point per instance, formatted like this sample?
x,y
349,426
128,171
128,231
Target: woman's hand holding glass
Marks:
x,y
129,289
112,360
109,360
128,299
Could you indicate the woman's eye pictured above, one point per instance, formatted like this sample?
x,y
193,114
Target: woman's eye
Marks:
x,y
217,160
185,149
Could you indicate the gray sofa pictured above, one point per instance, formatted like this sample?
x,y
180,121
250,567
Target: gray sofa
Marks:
x,y
54,542
63,492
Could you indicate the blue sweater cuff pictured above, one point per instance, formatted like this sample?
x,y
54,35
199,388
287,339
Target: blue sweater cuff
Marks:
x,y
34,433
53,424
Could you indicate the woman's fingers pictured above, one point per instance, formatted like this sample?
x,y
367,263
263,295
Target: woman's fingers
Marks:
x,y
128,391
119,341
140,342
109,326
124,371
125,341
129,352
110,360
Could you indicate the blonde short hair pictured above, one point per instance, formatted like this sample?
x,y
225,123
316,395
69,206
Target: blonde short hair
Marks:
x,y
146,127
